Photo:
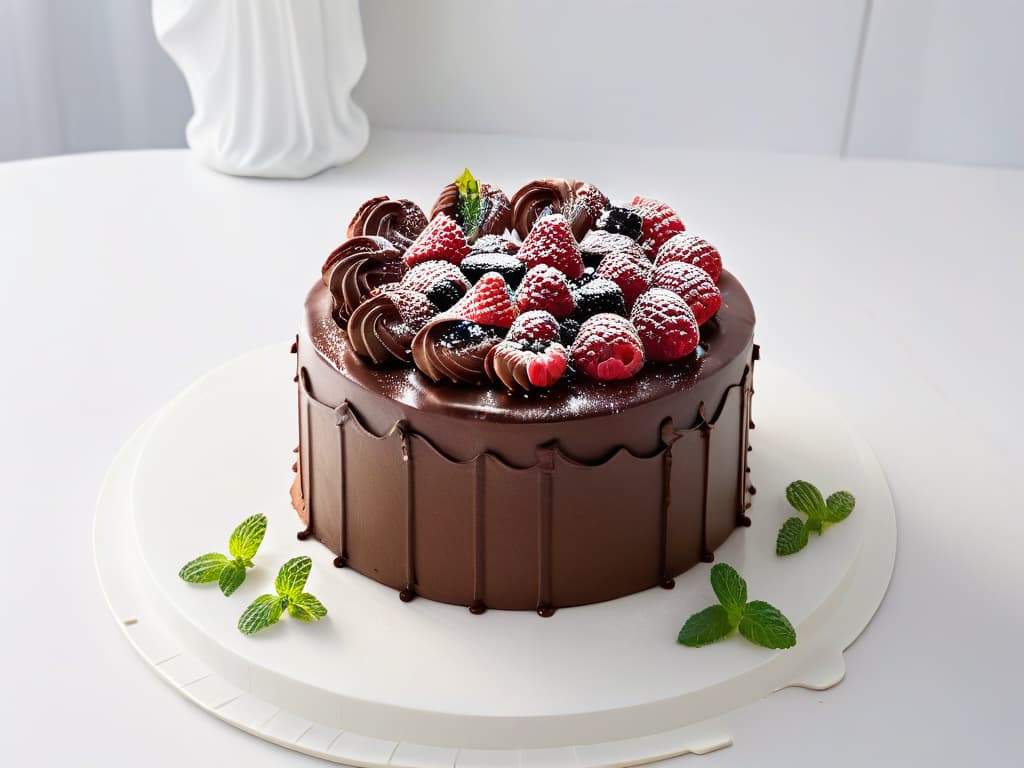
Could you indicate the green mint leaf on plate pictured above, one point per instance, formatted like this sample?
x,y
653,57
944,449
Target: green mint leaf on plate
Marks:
x,y
838,506
730,589
804,497
291,579
305,607
229,573
265,610
759,622
821,513
231,577
246,539
204,568
262,612
705,627
469,210
763,624
792,537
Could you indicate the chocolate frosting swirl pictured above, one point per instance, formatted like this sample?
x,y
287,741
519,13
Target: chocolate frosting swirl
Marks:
x,y
579,201
383,326
400,221
453,349
497,215
356,267
508,362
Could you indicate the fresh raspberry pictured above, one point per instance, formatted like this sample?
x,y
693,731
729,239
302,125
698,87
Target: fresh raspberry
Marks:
x,y
544,287
487,303
535,325
548,366
598,243
607,348
660,222
427,274
443,239
592,197
693,284
631,274
551,242
666,325
415,308
692,249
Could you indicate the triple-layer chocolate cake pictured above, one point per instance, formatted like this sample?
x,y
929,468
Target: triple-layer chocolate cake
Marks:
x,y
523,404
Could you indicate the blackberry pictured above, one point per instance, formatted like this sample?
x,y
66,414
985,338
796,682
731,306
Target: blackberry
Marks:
x,y
623,221
476,265
567,330
444,293
598,295
586,277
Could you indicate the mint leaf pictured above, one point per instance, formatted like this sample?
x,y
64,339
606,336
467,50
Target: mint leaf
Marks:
x,y
263,612
838,506
763,624
204,568
469,208
247,537
804,497
291,579
792,537
705,627
730,589
231,577
305,607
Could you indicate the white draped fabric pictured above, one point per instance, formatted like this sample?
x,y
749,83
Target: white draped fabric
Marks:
x,y
84,75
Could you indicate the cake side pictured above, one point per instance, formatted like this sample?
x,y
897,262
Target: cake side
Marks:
x,y
439,503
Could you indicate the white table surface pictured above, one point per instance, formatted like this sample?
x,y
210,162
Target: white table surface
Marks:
x,y
893,286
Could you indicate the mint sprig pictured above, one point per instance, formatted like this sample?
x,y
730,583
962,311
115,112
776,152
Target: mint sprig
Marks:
x,y
266,610
760,622
227,572
469,209
820,512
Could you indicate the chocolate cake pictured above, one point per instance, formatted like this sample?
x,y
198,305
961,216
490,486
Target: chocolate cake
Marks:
x,y
524,403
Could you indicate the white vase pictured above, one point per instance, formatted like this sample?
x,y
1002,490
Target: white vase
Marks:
x,y
271,81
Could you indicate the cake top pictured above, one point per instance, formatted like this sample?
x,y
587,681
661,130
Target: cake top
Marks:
x,y
529,294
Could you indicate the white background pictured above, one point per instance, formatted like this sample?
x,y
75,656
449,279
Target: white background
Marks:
x,y
939,80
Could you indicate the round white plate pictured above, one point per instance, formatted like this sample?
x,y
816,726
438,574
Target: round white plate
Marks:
x,y
381,682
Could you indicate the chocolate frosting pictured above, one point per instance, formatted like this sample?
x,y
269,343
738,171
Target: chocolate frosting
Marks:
x,y
579,201
383,326
400,221
497,216
508,362
439,354
358,266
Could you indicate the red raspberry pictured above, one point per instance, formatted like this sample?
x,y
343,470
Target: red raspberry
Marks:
x,y
413,306
546,288
427,274
693,284
487,303
535,325
443,239
548,367
692,249
666,325
660,222
631,273
607,347
592,197
551,242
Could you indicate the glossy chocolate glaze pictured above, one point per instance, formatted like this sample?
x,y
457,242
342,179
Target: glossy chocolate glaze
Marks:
x,y
476,496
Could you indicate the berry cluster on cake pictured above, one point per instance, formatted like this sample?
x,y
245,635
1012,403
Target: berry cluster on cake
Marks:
x,y
519,403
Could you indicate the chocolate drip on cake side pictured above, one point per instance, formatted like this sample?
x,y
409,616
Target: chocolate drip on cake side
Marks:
x,y
479,605
407,594
342,414
545,492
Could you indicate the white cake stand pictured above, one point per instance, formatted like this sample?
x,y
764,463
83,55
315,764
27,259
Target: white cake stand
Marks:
x,y
425,685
